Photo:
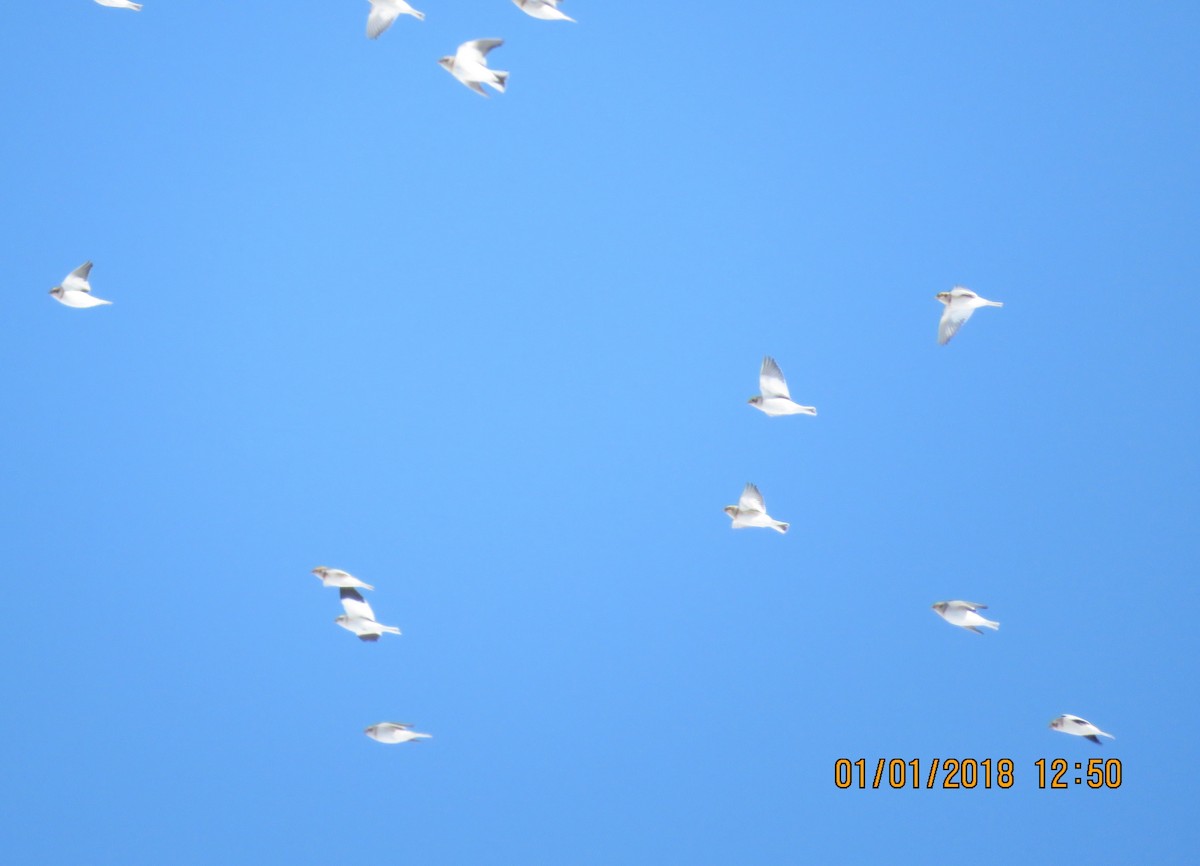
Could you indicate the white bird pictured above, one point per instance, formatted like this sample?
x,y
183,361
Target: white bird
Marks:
x,y
469,65
547,10
359,618
76,291
960,304
1070,724
963,615
337,577
394,732
752,511
775,399
384,12
120,4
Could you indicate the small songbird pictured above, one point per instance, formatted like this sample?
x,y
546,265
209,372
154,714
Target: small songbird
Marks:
x,y
1070,724
76,291
337,577
960,304
359,618
121,4
963,615
547,10
775,399
394,732
384,12
752,511
469,65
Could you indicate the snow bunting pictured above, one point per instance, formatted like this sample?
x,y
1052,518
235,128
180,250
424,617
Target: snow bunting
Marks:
x,y
121,4
469,65
963,615
76,291
775,399
752,511
1070,724
547,10
960,304
359,618
384,12
394,732
337,577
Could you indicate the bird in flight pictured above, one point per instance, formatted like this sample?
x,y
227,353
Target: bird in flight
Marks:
x,y
960,304
547,10
469,65
394,732
752,511
337,577
1070,724
359,618
384,12
76,291
963,615
775,399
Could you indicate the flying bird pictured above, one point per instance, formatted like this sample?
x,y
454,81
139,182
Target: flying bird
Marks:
x,y
775,399
752,511
76,291
960,304
121,4
963,615
359,618
337,577
547,10
394,732
384,12
469,65
1070,724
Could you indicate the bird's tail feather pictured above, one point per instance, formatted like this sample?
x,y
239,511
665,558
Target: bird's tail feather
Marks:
x,y
781,527
995,303
390,629
992,624
501,81
420,16
368,586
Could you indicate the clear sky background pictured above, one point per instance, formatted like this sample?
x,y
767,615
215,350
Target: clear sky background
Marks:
x,y
493,357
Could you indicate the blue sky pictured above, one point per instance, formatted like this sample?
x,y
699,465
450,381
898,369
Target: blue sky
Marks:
x,y
493,357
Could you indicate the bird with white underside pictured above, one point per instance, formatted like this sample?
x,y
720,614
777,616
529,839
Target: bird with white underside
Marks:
x,y
1070,724
546,10
963,614
76,291
775,399
384,12
394,732
751,510
121,4
469,65
337,577
359,618
960,303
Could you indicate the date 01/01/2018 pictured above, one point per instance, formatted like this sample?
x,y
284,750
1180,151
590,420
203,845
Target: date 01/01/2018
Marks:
x,y
972,773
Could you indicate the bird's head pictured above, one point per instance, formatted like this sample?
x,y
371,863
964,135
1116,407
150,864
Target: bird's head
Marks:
x,y
731,510
940,606
1057,723
321,571
446,62
371,731
756,400
57,291
944,297
343,619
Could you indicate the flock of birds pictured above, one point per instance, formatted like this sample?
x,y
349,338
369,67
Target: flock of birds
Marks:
x,y
469,65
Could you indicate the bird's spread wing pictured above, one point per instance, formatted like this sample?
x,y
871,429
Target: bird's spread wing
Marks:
x,y
752,499
76,281
477,87
770,380
354,604
369,637
952,319
383,13
476,51
1093,738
